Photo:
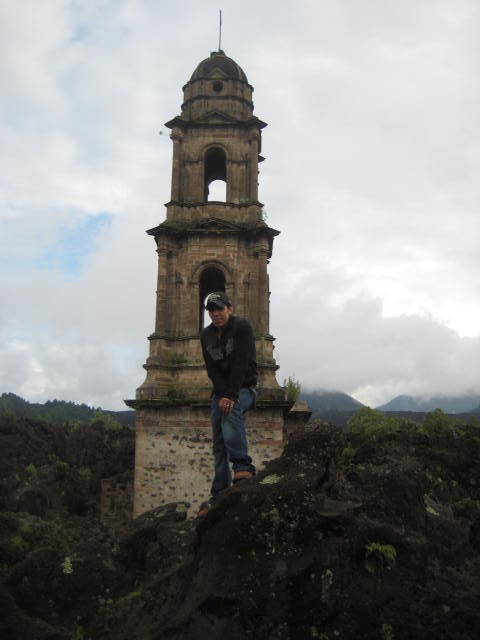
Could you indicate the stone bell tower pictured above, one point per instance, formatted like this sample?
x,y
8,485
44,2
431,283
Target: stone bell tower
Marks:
x,y
206,245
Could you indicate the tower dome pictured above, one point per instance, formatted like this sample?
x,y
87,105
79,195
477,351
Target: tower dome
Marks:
x,y
218,60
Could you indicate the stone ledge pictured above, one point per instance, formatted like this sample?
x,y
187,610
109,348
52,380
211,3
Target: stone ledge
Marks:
x,y
159,403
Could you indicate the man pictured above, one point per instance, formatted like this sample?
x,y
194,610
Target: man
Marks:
x,y
228,348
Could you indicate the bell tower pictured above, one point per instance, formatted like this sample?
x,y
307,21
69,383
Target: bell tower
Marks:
x,y
208,242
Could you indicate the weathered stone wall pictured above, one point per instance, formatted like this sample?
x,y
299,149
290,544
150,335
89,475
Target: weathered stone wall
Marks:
x,y
297,418
116,500
173,458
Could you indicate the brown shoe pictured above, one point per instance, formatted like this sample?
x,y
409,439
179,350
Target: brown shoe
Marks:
x,y
204,509
241,475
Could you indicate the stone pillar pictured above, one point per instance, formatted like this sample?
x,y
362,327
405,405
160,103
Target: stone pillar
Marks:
x,y
253,167
176,191
161,311
263,291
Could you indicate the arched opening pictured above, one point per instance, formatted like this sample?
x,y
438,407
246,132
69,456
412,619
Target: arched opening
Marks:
x,y
217,191
211,279
215,171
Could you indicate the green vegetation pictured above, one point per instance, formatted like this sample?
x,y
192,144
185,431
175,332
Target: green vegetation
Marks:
x,y
31,470
372,423
101,418
173,393
387,551
60,467
78,490
379,555
292,388
346,456
437,422
387,631
67,566
22,541
57,411
76,484
79,633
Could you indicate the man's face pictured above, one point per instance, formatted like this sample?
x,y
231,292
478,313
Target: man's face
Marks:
x,y
220,317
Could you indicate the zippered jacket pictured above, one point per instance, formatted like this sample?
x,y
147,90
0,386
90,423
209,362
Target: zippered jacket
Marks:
x,y
231,359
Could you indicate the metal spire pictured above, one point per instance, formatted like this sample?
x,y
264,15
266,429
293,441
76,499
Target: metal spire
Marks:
x,y
220,33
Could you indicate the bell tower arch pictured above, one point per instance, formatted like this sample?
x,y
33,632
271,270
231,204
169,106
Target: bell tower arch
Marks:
x,y
212,278
215,168
205,245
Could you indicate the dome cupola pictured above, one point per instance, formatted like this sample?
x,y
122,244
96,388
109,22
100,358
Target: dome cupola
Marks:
x,y
219,61
217,84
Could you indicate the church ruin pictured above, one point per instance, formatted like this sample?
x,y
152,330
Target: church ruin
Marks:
x,y
206,243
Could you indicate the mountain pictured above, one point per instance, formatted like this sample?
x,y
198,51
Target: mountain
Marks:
x,y
59,411
448,404
321,401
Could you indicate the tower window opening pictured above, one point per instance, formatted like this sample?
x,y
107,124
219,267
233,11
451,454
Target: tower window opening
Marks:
x,y
217,191
211,279
215,172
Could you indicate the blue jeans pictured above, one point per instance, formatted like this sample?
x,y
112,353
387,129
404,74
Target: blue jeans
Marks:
x,y
230,440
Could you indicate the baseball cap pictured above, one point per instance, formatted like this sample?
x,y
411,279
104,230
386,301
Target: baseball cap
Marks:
x,y
217,300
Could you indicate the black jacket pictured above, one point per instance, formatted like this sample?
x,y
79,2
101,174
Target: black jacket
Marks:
x,y
231,360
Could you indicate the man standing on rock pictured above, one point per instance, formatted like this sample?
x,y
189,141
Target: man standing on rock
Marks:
x,y
228,346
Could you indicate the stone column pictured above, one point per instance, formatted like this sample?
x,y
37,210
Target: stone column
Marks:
x,y
176,191
263,291
194,292
230,189
179,305
253,167
161,313
170,301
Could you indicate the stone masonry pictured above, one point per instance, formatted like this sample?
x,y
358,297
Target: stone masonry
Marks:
x,y
175,457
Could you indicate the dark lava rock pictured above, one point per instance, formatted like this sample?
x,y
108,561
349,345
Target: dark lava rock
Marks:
x,y
385,547
46,467
50,479
382,543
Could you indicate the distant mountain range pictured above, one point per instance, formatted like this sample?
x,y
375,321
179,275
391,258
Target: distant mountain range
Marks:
x,y
448,404
320,401
326,401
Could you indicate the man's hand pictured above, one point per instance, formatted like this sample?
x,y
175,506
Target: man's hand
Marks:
x,y
226,406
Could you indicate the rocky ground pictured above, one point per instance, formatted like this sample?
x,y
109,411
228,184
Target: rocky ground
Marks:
x,y
374,534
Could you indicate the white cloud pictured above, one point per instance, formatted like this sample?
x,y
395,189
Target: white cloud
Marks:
x,y
353,347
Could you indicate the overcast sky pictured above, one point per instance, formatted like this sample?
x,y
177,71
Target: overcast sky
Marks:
x,y
371,175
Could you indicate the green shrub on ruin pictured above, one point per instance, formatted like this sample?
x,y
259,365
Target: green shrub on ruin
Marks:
x,y
293,388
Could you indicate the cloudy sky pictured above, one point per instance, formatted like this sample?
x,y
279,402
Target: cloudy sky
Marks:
x,y
371,175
